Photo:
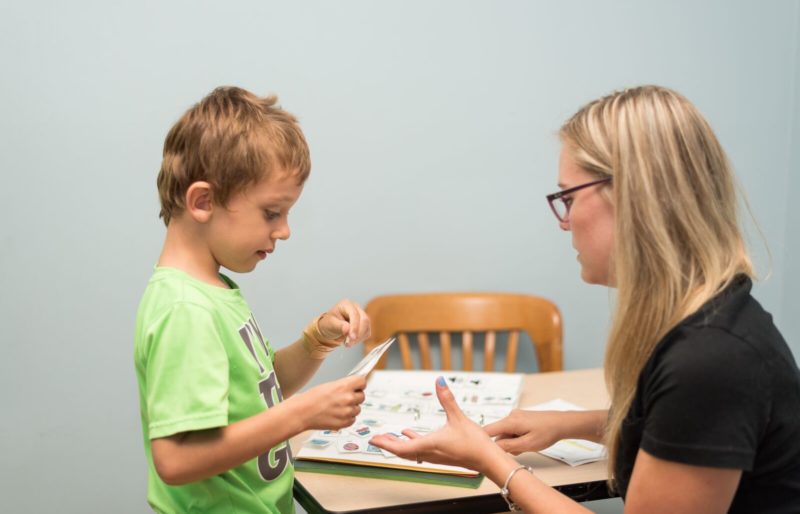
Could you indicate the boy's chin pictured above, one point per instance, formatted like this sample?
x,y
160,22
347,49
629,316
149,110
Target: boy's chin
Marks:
x,y
241,268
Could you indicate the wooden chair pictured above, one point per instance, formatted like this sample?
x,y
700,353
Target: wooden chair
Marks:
x,y
467,314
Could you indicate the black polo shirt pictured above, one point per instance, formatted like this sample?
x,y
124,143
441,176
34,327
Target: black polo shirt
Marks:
x,y
722,389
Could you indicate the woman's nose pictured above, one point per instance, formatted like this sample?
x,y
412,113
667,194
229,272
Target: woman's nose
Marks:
x,y
564,225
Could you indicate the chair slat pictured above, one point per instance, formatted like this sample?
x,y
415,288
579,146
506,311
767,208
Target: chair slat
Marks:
x,y
468,314
511,351
405,350
444,344
424,350
466,350
488,351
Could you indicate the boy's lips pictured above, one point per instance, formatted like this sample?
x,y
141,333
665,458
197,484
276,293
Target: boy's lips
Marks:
x,y
263,253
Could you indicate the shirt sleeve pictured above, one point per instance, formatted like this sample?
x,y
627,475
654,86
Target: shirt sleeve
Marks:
x,y
706,403
187,373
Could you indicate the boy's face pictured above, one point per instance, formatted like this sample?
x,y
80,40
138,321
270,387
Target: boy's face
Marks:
x,y
242,233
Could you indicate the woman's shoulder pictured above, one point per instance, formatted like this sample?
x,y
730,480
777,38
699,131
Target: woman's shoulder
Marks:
x,y
730,328
731,344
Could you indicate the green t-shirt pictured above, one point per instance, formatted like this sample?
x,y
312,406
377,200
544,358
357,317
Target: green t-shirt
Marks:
x,y
201,362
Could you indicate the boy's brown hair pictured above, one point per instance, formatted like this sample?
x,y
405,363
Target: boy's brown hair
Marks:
x,y
230,139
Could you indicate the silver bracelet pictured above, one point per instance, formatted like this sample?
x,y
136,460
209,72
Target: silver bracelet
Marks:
x,y
504,490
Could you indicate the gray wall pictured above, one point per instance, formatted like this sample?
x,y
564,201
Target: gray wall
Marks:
x,y
431,126
790,320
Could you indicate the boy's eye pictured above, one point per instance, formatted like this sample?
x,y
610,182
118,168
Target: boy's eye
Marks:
x,y
271,215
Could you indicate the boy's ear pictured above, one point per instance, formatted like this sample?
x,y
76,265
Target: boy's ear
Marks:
x,y
200,201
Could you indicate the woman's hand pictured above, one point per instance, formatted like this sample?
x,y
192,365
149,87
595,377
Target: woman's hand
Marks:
x,y
460,442
345,323
524,431
530,431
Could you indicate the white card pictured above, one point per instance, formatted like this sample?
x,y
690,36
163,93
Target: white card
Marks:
x,y
371,359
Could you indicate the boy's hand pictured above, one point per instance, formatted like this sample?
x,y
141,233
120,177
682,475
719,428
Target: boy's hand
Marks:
x,y
345,323
333,405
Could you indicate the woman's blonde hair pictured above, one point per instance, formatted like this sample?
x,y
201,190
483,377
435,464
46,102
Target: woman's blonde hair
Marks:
x,y
677,237
231,139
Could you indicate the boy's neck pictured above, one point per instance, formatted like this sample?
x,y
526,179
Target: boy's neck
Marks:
x,y
185,249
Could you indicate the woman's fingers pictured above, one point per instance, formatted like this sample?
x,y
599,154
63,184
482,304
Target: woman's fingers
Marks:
x,y
391,444
500,428
512,446
447,400
410,434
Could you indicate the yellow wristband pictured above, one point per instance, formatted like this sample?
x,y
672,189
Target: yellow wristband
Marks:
x,y
314,343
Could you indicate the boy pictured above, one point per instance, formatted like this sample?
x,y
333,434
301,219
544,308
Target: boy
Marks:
x,y
211,388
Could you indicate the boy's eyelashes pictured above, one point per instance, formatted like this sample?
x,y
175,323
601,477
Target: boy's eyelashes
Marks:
x,y
270,215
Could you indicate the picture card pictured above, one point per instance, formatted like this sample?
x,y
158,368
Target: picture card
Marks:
x,y
371,359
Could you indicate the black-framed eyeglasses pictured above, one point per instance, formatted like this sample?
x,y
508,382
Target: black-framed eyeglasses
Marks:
x,y
561,209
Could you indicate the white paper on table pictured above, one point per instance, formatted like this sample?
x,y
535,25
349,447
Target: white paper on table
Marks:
x,y
572,451
369,361
396,400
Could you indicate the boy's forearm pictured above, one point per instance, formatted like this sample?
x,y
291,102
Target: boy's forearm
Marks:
x,y
294,367
198,455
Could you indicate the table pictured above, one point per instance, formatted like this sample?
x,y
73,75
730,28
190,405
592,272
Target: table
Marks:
x,y
320,493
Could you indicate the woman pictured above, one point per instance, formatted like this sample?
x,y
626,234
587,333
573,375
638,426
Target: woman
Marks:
x,y
705,394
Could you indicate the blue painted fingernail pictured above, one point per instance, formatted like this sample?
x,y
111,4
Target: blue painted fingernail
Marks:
x,y
440,382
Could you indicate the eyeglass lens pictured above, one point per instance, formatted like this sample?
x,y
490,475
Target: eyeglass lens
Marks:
x,y
561,208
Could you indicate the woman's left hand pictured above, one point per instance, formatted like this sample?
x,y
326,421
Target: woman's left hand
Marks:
x,y
460,442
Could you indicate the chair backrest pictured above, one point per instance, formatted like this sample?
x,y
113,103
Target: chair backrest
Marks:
x,y
466,314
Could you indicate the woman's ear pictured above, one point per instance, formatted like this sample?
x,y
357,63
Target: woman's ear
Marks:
x,y
200,201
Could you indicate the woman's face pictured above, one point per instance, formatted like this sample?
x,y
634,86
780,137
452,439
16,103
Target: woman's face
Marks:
x,y
590,220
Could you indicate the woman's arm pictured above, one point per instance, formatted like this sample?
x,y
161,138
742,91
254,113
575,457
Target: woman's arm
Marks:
x,y
524,430
528,492
461,442
657,486
661,486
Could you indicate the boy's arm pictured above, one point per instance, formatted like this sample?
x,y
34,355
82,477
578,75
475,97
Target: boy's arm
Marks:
x,y
192,456
294,367
345,323
197,455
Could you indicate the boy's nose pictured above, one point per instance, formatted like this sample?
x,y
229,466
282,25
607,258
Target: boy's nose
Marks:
x,y
283,233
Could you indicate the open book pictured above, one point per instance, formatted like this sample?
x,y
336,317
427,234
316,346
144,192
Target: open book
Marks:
x,y
396,400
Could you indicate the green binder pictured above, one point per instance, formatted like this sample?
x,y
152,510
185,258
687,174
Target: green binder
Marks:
x,y
354,470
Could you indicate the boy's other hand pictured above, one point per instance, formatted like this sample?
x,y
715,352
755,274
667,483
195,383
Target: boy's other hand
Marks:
x,y
345,323
333,405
